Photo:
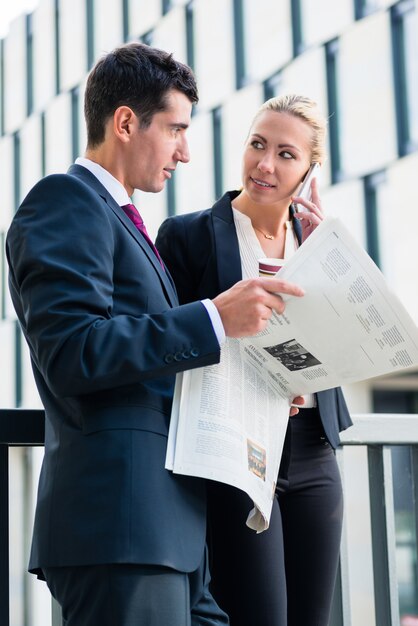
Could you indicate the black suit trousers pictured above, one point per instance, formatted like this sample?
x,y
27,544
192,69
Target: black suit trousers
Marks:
x,y
284,576
134,595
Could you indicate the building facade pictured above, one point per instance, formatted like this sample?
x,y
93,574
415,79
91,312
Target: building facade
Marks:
x,y
357,58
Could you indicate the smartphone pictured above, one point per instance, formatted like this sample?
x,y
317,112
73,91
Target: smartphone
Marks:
x,y
305,190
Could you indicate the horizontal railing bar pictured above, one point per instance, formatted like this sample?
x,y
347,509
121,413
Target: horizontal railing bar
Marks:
x,y
382,429
22,427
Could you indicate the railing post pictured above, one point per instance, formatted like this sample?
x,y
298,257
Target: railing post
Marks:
x,y
4,536
383,535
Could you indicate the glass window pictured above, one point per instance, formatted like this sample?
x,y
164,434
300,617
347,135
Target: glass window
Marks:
x,y
75,122
90,32
331,52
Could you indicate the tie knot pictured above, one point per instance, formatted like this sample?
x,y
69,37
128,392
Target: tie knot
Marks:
x,y
133,213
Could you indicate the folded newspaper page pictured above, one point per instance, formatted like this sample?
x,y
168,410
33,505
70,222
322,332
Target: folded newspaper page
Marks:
x,y
229,420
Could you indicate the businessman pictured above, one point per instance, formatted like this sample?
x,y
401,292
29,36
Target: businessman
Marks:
x,y
118,538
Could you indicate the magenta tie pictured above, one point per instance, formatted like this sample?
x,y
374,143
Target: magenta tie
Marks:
x,y
132,212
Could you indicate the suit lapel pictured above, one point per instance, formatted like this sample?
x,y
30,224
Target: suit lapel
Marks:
x,y
226,243
88,178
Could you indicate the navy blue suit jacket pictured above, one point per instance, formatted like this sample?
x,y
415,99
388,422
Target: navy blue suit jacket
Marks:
x,y
202,252
106,338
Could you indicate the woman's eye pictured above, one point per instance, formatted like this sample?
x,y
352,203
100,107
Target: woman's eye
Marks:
x,y
257,145
286,155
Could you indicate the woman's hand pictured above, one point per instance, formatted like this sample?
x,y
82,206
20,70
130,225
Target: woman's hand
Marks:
x,y
309,220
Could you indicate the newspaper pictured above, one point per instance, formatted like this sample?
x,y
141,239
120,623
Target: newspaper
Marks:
x,y
229,420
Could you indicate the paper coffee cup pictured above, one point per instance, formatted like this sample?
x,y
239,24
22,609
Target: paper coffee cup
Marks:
x,y
268,267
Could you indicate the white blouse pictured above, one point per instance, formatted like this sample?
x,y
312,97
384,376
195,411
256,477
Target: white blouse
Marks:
x,y
251,251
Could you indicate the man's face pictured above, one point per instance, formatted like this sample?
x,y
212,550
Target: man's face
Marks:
x,y
156,150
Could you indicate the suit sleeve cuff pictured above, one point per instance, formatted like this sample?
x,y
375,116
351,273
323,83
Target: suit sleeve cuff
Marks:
x,y
215,318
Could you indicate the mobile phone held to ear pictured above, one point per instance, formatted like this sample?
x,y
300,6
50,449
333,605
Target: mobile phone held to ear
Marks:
x,y
305,190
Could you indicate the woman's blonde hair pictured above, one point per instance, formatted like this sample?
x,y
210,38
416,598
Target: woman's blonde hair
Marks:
x,y
307,110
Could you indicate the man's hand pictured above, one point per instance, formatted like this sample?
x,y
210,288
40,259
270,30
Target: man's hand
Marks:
x,y
300,401
246,308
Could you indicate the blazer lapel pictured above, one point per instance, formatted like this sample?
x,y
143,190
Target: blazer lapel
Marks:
x,y
226,242
87,177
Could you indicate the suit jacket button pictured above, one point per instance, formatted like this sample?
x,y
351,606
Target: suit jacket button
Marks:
x,y
194,352
186,354
168,358
178,356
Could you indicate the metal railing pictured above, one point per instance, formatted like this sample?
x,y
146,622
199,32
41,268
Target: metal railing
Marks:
x,y
19,427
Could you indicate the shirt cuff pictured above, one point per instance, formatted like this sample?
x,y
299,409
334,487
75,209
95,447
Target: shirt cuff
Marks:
x,y
215,318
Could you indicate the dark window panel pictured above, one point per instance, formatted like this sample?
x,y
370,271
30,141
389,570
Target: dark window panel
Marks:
x,y
75,122
90,32
29,64
16,169
297,30
271,86
18,365
217,151
371,188
57,47
331,52
125,19
189,15
239,38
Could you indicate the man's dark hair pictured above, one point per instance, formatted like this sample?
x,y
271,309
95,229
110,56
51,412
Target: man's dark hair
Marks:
x,y
137,76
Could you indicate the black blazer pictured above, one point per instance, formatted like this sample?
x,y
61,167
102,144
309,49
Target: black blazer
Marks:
x,y
202,252
106,338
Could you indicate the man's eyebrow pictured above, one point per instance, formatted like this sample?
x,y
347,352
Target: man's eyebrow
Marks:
x,y
179,125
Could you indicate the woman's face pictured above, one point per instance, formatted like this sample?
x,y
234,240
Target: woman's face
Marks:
x,y
276,157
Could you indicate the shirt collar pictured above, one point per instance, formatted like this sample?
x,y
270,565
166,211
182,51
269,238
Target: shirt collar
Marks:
x,y
109,182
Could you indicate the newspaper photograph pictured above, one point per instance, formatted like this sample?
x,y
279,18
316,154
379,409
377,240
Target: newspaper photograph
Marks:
x,y
229,420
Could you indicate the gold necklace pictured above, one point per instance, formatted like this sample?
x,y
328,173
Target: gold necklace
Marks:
x,y
271,237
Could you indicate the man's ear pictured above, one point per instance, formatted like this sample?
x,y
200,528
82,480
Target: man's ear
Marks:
x,y
124,123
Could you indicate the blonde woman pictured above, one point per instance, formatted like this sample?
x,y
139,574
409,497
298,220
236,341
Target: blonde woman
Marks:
x,y
286,575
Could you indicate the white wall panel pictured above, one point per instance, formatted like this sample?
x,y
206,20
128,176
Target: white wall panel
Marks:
x,y
325,19
58,134
268,36
153,209
7,378
7,207
194,180
368,137
108,30
170,34
237,115
143,16
30,153
44,54
73,42
398,227
15,88
214,51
